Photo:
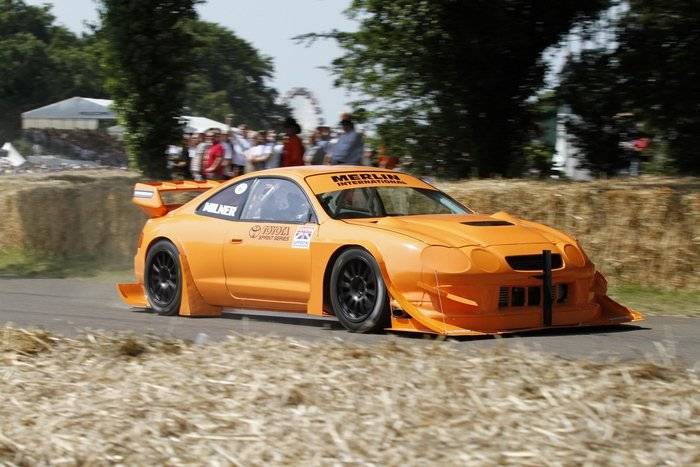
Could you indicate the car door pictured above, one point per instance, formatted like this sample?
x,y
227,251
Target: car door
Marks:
x,y
267,257
204,232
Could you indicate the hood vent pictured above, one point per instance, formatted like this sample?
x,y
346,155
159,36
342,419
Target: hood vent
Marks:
x,y
494,223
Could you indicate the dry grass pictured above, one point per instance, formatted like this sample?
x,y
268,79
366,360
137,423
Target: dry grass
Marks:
x,y
260,401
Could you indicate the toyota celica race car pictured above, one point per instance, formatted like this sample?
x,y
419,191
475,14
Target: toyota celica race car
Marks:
x,y
376,248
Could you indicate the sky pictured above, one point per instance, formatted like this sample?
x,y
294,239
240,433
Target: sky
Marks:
x,y
269,26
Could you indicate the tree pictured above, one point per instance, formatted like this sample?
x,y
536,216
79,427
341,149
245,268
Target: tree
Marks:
x,y
41,63
148,66
451,78
659,54
229,76
592,86
652,77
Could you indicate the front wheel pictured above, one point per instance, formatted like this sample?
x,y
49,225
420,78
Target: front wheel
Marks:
x,y
163,278
357,292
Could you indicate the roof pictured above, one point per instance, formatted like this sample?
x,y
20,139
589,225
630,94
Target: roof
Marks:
x,y
202,124
306,170
338,175
75,108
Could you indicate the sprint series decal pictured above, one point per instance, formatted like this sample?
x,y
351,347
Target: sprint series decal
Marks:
x,y
279,233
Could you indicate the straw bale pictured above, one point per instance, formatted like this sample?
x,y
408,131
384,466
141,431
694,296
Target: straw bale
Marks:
x,y
261,401
643,231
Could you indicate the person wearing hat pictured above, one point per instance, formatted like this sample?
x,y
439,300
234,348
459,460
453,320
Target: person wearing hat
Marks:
x,y
293,152
349,148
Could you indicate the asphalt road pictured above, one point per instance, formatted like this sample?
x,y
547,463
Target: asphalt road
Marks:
x,y
72,306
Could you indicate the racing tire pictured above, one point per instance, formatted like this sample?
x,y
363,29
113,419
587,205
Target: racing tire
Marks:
x,y
163,278
357,292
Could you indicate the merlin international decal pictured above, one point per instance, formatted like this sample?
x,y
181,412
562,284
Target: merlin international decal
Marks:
x,y
278,233
369,178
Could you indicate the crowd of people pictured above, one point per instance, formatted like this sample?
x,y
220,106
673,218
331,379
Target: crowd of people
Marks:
x,y
220,155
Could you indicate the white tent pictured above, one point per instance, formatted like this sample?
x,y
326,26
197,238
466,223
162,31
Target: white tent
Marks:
x,y
14,158
201,124
566,157
70,114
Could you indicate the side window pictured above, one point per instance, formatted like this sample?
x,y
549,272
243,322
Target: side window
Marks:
x,y
227,203
276,200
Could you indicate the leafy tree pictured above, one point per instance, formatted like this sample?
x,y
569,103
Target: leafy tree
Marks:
x,y
652,77
229,77
41,63
659,54
594,124
148,67
451,78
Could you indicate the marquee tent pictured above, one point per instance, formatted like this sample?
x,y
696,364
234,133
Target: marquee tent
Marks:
x,y
76,113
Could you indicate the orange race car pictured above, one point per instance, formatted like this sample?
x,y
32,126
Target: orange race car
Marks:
x,y
376,248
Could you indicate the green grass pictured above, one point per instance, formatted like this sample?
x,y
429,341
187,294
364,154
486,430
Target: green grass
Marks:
x,y
18,264
655,301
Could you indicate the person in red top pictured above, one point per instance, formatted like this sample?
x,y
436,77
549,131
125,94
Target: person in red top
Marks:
x,y
386,161
293,152
213,164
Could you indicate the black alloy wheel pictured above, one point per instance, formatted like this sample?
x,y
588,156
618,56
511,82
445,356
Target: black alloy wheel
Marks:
x,y
357,292
163,278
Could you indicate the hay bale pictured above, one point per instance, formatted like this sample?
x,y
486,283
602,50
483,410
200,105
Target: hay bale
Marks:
x,y
70,215
254,400
644,231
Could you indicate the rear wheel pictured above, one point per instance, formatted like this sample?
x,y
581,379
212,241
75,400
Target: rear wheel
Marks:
x,y
357,292
163,278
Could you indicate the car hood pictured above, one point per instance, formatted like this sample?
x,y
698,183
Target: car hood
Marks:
x,y
462,230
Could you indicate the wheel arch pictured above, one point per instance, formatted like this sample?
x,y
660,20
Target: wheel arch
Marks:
x,y
371,249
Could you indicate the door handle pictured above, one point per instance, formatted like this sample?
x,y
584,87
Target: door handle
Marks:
x,y
236,240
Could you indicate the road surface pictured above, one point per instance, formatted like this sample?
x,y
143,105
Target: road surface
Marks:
x,y
71,306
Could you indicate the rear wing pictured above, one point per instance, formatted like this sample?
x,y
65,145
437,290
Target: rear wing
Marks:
x,y
147,195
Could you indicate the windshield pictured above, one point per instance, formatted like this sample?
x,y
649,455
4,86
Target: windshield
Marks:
x,y
355,203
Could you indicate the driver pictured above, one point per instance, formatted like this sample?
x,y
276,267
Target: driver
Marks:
x,y
297,207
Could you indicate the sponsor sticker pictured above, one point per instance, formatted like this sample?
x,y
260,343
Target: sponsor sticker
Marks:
x,y
221,209
240,189
369,178
302,237
278,233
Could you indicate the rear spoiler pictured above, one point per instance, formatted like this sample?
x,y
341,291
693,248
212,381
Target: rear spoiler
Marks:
x,y
147,194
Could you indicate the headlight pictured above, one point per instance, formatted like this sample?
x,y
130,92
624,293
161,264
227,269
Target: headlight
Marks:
x,y
485,260
444,259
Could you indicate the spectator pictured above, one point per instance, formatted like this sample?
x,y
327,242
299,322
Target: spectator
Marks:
x,y
181,161
350,147
257,156
318,149
385,161
213,166
227,161
293,152
240,146
203,142
274,149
